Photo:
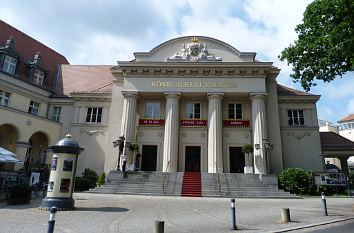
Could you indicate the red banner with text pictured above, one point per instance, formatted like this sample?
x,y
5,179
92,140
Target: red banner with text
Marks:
x,y
236,123
151,122
193,123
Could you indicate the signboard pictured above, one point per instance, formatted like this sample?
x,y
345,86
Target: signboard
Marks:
x,y
236,123
34,178
330,179
193,123
151,122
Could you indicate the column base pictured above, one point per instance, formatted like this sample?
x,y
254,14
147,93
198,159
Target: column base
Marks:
x,y
60,203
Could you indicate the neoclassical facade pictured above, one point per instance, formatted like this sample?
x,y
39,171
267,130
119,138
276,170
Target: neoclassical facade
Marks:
x,y
190,104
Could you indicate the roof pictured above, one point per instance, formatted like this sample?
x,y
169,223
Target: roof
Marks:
x,y
85,79
27,47
287,91
331,141
347,118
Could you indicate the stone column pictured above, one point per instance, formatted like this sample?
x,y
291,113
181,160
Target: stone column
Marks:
x,y
170,148
128,126
259,132
215,162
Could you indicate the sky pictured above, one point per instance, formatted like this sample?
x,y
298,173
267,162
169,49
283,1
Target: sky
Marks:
x,y
105,31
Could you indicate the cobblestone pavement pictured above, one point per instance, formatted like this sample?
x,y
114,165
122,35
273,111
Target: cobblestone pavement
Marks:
x,y
133,213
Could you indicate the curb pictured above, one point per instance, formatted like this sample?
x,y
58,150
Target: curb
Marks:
x,y
312,225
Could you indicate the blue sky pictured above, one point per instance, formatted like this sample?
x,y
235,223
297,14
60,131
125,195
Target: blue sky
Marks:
x,y
104,31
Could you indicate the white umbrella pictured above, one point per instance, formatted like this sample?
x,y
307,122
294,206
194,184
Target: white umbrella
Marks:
x,y
8,157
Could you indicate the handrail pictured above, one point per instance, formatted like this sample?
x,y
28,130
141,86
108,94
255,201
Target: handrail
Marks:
x,y
164,178
218,183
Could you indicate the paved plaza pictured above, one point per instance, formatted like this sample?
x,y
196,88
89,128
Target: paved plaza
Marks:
x,y
133,213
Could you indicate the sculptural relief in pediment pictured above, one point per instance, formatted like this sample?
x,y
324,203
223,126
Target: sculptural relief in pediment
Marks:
x,y
194,52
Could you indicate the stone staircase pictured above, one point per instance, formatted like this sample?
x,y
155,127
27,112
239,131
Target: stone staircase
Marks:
x,y
212,185
242,185
143,183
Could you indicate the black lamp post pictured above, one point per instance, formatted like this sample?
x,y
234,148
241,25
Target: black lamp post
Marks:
x,y
120,144
266,146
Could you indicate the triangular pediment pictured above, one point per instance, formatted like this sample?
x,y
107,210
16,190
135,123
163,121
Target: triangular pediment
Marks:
x,y
194,49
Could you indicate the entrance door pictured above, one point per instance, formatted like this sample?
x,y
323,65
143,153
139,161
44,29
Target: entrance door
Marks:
x,y
149,158
192,159
237,160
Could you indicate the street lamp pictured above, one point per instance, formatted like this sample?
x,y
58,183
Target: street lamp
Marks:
x,y
266,146
120,144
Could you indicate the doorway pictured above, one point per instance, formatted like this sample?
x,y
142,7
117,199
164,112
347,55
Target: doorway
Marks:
x,y
192,159
237,160
149,158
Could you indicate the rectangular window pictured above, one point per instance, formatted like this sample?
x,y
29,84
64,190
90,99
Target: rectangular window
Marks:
x,y
193,110
9,65
296,117
4,98
33,108
94,115
152,110
234,111
56,113
38,77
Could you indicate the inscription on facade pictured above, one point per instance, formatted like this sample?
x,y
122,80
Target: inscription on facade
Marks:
x,y
188,84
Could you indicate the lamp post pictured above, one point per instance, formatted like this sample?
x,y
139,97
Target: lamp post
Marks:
x,y
120,144
266,146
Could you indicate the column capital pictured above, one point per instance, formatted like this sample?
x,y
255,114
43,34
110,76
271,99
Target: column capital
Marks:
x,y
176,95
215,95
258,95
133,94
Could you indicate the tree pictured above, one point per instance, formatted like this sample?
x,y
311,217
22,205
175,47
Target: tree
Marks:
x,y
324,49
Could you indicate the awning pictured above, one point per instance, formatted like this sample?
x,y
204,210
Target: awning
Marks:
x,y
8,157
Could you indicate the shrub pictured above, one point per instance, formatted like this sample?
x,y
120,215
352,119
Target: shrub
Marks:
x,y
20,191
101,179
86,181
296,180
82,184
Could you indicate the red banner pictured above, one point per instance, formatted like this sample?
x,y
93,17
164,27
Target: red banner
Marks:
x,y
236,123
193,123
151,122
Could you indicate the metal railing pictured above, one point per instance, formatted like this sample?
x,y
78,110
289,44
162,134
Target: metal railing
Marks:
x,y
218,182
164,178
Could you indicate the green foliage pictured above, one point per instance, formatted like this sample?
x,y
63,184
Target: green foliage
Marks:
x,y
101,179
247,148
296,180
90,176
82,184
134,147
20,191
324,49
88,180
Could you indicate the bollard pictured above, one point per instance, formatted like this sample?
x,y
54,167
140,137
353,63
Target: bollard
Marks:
x,y
324,204
159,226
233,215
51,221
285,215
348,184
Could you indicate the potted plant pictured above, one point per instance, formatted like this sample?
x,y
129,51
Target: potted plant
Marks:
x,y
101,179
19,194
247,149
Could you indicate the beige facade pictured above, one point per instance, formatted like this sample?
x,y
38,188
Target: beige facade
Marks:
x,y
190,104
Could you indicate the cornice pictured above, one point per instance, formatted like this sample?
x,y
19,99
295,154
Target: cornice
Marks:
x,y
299,99
204,70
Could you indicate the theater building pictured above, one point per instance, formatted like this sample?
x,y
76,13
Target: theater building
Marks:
x,y
191,104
